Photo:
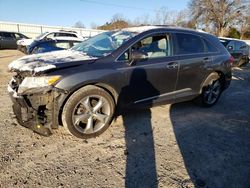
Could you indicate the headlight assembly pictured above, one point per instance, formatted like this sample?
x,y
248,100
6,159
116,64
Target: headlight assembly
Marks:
x,y
37,82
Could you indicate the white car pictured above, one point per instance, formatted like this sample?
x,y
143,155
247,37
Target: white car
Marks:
x,y
23,44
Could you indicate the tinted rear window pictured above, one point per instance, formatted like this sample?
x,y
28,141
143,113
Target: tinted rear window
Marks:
x,y
189,44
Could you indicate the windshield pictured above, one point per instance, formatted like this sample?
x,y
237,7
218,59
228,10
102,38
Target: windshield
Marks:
x,y
41,35
104,43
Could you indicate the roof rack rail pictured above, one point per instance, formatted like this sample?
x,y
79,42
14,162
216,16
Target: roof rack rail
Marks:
x,y
67,31
158,25
167,25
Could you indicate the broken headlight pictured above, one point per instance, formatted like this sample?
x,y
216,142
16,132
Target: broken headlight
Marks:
x,y
37,82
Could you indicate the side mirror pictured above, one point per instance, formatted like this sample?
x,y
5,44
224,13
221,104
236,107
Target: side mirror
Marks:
x,y
230,48
136,56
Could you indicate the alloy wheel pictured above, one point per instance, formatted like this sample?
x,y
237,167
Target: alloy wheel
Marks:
x,y
91,114
212,92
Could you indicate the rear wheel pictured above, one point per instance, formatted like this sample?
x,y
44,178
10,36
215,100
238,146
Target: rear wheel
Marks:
x,y
210,93
88,112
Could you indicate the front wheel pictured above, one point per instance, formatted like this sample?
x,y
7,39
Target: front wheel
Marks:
x,y
88,112
210,93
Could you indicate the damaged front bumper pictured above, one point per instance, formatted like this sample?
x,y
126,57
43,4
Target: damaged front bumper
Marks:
x,y
38,111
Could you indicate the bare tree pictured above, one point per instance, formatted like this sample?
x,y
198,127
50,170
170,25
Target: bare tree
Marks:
x,y
217,13
181,18
142,20
163,16
243,24
79,24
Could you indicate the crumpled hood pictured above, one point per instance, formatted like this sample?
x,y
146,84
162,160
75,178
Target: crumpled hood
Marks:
x,y
25,42
51,60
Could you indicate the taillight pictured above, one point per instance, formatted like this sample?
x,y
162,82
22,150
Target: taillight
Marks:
x,y
231,60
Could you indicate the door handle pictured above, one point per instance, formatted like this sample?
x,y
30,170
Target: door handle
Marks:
x,y
207,60
172,65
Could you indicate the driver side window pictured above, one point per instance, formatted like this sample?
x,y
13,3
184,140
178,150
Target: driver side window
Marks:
x,y
153,47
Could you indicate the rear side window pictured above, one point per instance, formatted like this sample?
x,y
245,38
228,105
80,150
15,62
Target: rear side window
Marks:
x,y
65,35
189,44
73,35
209,46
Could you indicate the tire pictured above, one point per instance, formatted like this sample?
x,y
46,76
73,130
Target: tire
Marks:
x,y
88,112
210,93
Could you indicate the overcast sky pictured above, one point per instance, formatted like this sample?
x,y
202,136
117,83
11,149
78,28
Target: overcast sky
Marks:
x,y
68,12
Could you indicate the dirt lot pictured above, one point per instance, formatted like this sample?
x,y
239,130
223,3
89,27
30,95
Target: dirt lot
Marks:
x,y
178,145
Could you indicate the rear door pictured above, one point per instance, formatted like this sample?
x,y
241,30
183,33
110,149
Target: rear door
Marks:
x,y
153,77
193,59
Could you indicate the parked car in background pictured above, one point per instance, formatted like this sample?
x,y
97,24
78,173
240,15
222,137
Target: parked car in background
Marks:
x,y
23,44
8,40
62,43
85,86
238,49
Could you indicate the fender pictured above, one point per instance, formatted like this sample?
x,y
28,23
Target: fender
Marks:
x,y
74,81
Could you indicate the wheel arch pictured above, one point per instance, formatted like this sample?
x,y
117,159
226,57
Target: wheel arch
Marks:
x,y
113,93
212,76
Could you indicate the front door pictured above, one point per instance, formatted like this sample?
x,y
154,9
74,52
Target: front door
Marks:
x,y
152,78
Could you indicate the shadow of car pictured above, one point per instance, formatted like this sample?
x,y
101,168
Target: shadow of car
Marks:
x,y
215,142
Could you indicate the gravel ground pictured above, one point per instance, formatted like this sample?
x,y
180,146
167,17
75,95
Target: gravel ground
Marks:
x,y
178,145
